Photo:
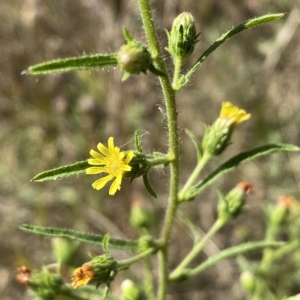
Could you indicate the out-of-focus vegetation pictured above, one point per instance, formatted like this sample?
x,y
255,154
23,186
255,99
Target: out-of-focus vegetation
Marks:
x,y
55,120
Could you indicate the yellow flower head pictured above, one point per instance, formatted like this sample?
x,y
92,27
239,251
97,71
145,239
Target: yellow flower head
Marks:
x,y
217,137
82,276
111,161
232,114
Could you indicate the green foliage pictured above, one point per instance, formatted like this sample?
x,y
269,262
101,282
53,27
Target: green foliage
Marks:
x,y
226,36
64,171
81,236
134,58
232,163
86,62
226,254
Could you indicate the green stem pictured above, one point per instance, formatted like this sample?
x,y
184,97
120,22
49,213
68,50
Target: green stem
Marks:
x,y
261,287
165,159
177,68
148,280
267,258
292,246
197,248
226,254
226,36
169,97
201,163
134,259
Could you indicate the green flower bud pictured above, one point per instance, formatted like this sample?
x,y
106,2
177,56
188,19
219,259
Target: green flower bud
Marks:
x,y
280,212
182,37
44,284
232,204
130,290
101,269
134,58
247,281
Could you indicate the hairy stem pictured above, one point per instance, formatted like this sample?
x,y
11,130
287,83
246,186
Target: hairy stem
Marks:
x,y
201,163
177,69
169,98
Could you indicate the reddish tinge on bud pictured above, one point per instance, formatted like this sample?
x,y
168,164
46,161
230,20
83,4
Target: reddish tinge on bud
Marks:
x,y
23,276
231,205
246,187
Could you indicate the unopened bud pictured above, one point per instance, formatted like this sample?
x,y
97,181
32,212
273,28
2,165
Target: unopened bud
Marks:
x,y
281,211
43,284
232,204
134,58
130,290
182,37
247,281
23,275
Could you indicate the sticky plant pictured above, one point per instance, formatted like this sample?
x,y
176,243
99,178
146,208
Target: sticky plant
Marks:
x,y
114,166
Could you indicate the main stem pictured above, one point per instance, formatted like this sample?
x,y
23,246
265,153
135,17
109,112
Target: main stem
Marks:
x,y
169,97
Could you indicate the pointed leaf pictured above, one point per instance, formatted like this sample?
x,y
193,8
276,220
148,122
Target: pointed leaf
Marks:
x,y
86,62
234,162
81,236
64,171
226,36
148,186
105,243
137,141
196,142
191,225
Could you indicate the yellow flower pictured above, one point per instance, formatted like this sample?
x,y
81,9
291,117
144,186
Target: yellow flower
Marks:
x,y
111,161
82,276
217,137
232,114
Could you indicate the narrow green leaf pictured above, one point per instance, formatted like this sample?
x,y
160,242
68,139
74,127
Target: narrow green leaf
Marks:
x,y
64,171
86,62
191,225
81,236
196,142
105,243
127,35
148,186
234,162
232,252
137,141
226,36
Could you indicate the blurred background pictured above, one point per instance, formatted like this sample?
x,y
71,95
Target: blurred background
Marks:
x,y
49,121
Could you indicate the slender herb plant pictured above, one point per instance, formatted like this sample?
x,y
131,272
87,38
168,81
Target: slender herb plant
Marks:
x,y
134,58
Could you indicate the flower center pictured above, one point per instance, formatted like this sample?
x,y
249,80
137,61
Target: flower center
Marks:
x,y
115,166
